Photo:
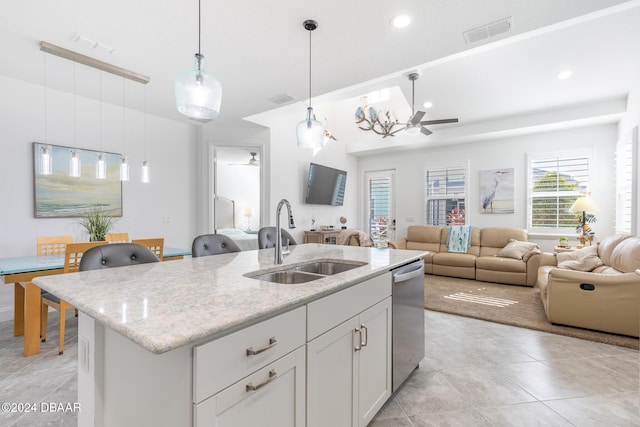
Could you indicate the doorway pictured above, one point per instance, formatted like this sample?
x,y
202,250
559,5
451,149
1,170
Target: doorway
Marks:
x,y
237,188
380,206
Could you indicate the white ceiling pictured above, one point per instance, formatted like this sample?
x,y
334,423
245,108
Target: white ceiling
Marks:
x,y
259,49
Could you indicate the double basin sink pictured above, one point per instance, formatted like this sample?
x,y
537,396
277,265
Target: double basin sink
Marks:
x,y
306,272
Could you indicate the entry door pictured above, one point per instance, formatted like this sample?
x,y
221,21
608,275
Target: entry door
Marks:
x,y
380,206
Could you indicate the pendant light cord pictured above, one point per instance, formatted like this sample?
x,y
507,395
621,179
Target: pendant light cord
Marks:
x,y
309,68
199,25
45,98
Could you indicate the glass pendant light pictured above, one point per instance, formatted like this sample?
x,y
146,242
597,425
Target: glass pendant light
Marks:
x,y
310,132
74,164
198,93
145,175
101,167
124,164
46,161
146,178
124,169
75,169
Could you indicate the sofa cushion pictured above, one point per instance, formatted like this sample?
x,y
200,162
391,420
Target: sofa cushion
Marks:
x,y
493,239
495,263
606,246
454,259
585,259
516,249
626,255
424,233
419,246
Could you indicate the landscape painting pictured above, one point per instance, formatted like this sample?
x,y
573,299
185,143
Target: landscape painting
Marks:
x,y
57,194
496,191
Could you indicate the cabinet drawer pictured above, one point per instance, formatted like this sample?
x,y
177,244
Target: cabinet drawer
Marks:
x,y
334,309
272,396
224,361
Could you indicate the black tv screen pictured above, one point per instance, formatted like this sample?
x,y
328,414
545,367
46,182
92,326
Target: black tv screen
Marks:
x,y
325,185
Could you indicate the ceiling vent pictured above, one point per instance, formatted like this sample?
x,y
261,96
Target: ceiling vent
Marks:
x,y
486,31
281,99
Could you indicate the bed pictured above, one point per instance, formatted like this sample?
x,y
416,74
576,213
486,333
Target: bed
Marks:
x,y
225,223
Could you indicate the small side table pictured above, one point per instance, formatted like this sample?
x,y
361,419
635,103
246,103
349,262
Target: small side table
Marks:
x,y
558,249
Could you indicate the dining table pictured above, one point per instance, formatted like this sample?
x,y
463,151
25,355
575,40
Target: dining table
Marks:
x,y
27,301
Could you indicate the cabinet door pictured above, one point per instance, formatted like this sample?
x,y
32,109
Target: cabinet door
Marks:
x,y
331,368
273,396
374,377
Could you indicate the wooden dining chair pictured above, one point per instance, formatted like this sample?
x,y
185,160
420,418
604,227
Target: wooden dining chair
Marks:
x,y
117,237
155,245
72,256
52,245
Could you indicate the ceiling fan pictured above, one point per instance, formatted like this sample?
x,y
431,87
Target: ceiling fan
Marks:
x,y
414,126
252,161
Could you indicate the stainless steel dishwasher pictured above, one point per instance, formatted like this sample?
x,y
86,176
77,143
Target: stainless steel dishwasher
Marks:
x,y
408,320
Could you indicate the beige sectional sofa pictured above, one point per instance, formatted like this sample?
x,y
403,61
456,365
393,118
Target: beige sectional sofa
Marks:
x,y
486,259
606,297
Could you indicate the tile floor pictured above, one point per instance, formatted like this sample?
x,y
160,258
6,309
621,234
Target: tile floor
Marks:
x,y
479,373
475,373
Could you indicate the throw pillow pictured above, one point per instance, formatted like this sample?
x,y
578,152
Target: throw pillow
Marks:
x,y
516,249
585,259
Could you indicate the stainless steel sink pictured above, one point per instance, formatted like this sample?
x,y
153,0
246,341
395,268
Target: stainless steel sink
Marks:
x,y
287,277
327,268
305,272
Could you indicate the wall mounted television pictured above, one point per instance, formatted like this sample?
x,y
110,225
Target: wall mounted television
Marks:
x,y
325,185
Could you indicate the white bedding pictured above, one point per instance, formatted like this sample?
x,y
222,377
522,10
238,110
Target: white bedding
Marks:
x,y
246,242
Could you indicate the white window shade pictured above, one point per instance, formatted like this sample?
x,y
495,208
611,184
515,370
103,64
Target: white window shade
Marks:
x,y
626,183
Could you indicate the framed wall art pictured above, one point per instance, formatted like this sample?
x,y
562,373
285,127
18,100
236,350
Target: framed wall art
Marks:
x,y
59,194
496,191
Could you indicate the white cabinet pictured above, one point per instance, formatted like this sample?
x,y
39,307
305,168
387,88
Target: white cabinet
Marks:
x,y
349,366
273,396
255,376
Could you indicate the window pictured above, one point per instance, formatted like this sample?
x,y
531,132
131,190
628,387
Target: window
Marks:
x,y
555,182
445,195
626,173
380,203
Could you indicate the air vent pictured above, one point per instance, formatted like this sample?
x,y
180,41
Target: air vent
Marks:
x,y
486,31
283,98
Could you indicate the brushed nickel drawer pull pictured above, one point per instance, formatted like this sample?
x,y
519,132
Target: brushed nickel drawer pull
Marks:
x,y
358,346
366,336
272,376
252,352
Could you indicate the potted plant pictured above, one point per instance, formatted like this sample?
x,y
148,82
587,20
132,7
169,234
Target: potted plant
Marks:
x,y
97,223
563,242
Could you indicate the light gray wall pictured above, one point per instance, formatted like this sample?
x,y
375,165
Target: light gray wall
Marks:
x,y
502,153
170,150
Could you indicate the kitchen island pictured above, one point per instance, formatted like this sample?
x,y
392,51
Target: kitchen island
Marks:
x,y
157,342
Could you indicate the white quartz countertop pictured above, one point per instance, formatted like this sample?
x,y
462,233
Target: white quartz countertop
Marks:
x,y
165,305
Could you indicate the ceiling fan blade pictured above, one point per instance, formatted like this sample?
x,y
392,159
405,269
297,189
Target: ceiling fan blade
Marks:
x,y
397,130
438,122
416,117
425,131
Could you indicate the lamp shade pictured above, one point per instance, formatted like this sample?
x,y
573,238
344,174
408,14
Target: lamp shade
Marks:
x,y
247,212
310,132
198,93
583,204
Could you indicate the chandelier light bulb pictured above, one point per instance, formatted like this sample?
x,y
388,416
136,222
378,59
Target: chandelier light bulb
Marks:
x,y
74,164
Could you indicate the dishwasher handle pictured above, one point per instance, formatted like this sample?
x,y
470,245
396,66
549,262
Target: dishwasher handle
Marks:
x,y
408,273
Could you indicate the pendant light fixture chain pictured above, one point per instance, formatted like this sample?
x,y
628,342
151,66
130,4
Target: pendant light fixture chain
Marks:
x,y
310,25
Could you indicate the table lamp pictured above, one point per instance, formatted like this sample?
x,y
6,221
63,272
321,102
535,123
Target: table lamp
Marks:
x,y
584,204
248,212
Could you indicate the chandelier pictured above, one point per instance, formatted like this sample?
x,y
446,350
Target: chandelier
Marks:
x,y
378,121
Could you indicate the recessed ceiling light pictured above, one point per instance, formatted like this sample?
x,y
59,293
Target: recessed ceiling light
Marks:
x,y
563,75
401,21
427,104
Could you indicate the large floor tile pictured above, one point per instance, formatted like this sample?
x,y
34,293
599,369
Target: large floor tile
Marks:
x,y
534,414
468,417
428,392
620,410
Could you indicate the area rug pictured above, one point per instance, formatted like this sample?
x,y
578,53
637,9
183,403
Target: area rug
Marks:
x,y
508,304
